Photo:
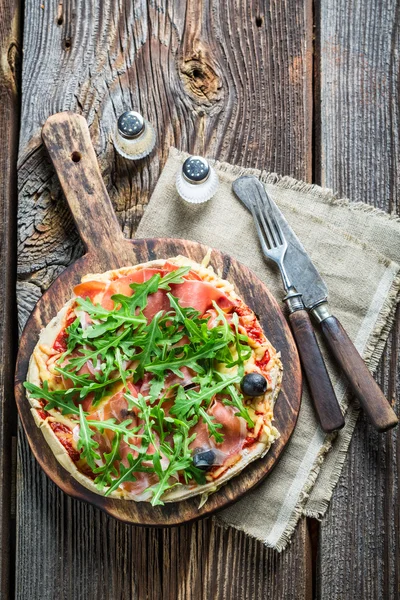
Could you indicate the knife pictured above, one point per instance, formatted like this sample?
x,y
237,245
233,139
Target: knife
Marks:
x,y
314,295
274,247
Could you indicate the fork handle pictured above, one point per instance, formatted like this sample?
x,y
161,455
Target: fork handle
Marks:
x,y
321,389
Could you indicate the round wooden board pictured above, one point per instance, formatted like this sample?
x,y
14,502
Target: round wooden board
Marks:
x,y
254,293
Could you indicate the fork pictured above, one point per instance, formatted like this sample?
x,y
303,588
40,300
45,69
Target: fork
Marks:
x,y
274,246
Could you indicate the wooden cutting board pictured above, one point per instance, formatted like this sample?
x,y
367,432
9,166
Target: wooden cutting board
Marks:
x,y
67,138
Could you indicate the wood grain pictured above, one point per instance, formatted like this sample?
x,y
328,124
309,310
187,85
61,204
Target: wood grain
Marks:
x,y
231,80
196,562
358,59
9,118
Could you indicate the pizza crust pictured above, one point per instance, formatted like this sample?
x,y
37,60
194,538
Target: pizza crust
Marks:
x,y
180,492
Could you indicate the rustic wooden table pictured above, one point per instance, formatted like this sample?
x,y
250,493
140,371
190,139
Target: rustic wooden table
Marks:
x,y
305,88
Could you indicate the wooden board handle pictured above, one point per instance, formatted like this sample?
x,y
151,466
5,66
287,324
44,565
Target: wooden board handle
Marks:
x,y
67,139
374,403
321,389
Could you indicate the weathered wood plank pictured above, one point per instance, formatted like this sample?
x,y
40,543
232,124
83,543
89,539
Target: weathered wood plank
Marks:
x,y
92,555
231,80
358,58
358,109
9,116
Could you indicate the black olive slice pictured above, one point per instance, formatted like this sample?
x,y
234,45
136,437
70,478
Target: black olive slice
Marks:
x,y
203,459
254,384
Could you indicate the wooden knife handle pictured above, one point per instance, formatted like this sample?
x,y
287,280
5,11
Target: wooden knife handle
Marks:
x,y
67,139
374,403
321,389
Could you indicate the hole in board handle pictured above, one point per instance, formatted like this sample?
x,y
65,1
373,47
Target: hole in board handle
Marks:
x,y
76,156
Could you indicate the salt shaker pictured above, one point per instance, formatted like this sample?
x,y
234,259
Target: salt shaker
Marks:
x,y
134,137
196,181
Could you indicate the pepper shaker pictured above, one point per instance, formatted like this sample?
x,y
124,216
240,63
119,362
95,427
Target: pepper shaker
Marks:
x,y
196,181
134,137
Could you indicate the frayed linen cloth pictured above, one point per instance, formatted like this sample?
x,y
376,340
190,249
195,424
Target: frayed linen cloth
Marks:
x,y
356,249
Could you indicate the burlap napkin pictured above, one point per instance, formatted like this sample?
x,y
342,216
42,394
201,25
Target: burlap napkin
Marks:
x,y
356,249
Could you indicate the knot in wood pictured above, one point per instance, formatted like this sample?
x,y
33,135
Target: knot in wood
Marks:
x,y
201,81
11,73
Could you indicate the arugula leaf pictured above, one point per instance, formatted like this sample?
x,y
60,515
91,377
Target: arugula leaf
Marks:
x,y
188,403
108,471
243,350
156,386
212,426
86,444
113,425
153,333
74,335
122,372
184,406
193,472
145,414
197,333
83,384
179,459
114,318
182,313
141,292
61,399
237,402
100,350
173,277
128,473
221,318
190,359
175,305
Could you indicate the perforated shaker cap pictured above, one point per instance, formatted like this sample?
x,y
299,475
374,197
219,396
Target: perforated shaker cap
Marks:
x,y
133,136
130,124
196,170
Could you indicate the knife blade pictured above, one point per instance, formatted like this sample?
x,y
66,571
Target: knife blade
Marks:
x,y
314,292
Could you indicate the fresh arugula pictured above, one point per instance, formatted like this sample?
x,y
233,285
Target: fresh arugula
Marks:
x,y
188,403
149,345
86,444
125,348
84,385
212,425
60,399
127,473
108,472
112,425
189,358
237,402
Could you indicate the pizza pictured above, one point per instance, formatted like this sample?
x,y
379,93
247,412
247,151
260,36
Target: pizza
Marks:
x,y
155,382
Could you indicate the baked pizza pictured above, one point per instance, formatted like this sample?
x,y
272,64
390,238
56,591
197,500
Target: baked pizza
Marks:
x,y
155,382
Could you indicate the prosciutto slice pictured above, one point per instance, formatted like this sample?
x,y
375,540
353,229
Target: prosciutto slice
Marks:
x,y
193,292
117,406
200,295
233,429
170,380
156,302
94,290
